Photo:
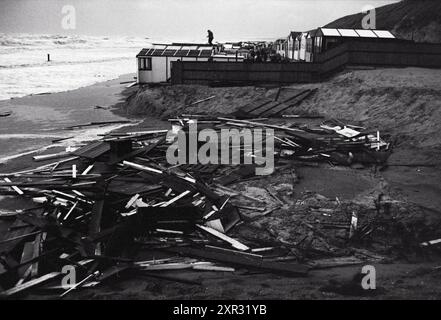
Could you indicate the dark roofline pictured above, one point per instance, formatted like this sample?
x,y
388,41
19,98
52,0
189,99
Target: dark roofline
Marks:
x,y
201,50
191,44
295,34
313,32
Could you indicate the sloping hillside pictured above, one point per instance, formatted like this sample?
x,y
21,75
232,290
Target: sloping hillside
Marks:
x,y
419,20
404,103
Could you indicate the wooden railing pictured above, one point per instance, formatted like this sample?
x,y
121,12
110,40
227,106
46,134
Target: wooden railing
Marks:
x,y
355,53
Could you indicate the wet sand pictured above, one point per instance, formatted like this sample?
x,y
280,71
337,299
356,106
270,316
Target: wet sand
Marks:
x,y
400,279
37,120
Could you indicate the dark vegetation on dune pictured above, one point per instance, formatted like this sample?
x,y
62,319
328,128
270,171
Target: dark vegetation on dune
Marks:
x,y
419,20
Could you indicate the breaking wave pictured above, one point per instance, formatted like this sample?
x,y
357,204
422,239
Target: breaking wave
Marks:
x,y
75,61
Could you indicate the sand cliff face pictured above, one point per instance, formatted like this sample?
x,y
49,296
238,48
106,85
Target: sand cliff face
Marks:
x,y
164,101
405,103
419,20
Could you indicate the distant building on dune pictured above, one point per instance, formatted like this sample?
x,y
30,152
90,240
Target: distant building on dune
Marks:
x,y
302,46
310,39
279,46
320,40
301,51
291,39
327,38
297,47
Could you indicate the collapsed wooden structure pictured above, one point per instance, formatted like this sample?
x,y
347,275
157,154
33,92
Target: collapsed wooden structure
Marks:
x,y
116,204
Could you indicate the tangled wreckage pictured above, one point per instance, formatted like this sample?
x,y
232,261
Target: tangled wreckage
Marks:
x,y
116,205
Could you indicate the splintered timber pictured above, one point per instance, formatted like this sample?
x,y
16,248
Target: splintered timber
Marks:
x,y
229,147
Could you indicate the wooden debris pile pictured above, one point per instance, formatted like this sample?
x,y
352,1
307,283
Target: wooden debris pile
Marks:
x,y
116,204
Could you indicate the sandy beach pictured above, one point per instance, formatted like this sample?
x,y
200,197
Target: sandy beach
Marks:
x,y
413,186
37,120
37,123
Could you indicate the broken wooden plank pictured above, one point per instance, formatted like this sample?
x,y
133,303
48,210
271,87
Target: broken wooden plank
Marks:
x,y
430,243
93,150
273,194
180,196
286,268
234,243
15,188
81,283
205,267
29,284
141,167
353,227
52,156
335,262
200,101
260,124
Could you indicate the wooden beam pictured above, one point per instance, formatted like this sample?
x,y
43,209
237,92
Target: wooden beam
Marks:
x,y
234,243
29,284
141,167
15,188
286,268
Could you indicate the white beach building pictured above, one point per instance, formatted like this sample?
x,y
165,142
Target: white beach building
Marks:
x,y
155,61
291,40
302,51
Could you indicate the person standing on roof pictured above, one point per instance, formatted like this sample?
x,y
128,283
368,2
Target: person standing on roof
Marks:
x,y
210,37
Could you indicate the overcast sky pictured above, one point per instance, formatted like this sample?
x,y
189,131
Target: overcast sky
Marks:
x,y
177,19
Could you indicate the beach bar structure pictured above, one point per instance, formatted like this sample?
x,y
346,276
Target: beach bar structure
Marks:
x,y
326,38
155,61
320,40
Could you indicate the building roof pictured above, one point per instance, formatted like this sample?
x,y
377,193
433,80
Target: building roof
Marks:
x,y
192,44
384,34
348,33
312,33
357,33
177,50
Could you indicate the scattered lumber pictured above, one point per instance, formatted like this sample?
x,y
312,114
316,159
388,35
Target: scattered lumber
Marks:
x,y
29,284
115,199
200,101
291,269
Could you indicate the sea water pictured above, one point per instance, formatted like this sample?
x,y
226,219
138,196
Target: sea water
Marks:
x,y
76,61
